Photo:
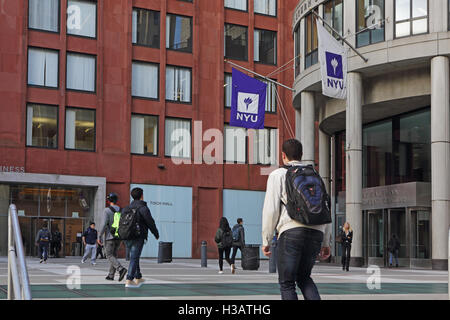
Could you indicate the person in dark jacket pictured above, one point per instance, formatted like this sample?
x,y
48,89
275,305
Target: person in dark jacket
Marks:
x,y
238,243
145,223
346,242
393,248
90,239
43,239
56,243
222,245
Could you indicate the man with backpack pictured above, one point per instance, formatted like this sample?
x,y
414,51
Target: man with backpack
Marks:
x,y
238,241
43,239
109,230
135,221
297,207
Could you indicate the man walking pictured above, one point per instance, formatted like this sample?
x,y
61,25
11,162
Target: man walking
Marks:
x,y
43,239
145,222
90,239
238,241
298,244
112,243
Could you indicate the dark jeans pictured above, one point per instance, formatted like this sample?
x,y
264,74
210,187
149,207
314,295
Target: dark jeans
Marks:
x,y
227,252
43,249
135,247
346,248
297,250
233,255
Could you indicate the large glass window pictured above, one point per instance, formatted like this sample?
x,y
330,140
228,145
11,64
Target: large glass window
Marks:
x,y
235,141
80,129
297,50
264,144
411,17
236,42
271,96
178,138
81,72
265,46
311,41
43,67
42,126
228,89
145,80
146,30
144,134
333,14
179,33
178,84
236,4
267,7
43,15
369,22
82,18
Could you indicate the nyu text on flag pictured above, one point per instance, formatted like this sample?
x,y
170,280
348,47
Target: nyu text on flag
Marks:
x,y
333,64
248,101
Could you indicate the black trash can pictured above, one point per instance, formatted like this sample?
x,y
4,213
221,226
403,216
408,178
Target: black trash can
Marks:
x,y
165,252
250,257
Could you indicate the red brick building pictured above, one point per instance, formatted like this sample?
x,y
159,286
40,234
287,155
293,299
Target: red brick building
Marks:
x,y
74,75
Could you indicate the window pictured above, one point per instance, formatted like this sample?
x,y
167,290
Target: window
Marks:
x,y
144,134
43,15
297,50
81,72
42,126
268,7
146,30
236,42
82,18
411,17
178,138
80,129
145,80
178,84
311,41
271,96
228,89
370,17
236,4
235,140
179,33
333,14
265,49
43,67
264,143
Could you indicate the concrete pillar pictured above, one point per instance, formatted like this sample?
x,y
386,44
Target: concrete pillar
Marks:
x,y
440,160
324,159
307,127
353,164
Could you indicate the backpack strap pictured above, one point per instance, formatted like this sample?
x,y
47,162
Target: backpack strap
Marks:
x,y
112,209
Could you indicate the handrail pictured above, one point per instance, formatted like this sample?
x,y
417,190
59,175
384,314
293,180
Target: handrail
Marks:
x,y
17,281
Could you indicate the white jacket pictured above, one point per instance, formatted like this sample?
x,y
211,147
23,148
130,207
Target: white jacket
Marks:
x,y
275,215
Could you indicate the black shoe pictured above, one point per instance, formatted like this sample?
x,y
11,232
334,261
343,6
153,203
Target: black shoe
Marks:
x,y
343,268
109,278
396,265
122,274
347,269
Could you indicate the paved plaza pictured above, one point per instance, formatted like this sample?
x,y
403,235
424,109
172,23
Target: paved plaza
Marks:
x,y
185,279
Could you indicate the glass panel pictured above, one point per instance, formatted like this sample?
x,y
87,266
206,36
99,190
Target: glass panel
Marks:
x,y
178,84
144,134
43,67
43,15
80,202
235,144
402,10
420,26
376,234
378,35
52,200
236,4
228,89
146,28
80,129
81,72
42,126
397,225
420,8
82,18
403,29
25,199
297,50
179,33
420,234
265,46
268,7
363,38
236,42
144,82
178,138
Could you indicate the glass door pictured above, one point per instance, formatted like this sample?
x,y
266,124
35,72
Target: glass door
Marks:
x,y
397,226
420,234
376,234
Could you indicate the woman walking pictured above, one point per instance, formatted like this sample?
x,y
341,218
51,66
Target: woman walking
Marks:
x,y
346,241
224,240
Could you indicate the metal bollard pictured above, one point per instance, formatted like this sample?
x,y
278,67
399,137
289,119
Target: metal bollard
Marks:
x,y
273,257
204,254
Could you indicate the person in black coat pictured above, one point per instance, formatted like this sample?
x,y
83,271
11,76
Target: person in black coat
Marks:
x,y
346,242
393,247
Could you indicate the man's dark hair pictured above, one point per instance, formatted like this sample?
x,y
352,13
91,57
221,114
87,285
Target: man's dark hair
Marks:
x,y
293,149
137,193
239,220
92,223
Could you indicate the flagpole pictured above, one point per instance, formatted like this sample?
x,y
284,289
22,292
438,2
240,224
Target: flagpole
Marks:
x,y
259,75
341,38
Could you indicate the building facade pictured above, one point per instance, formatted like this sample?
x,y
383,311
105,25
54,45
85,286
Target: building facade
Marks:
x,y
102,96
384,151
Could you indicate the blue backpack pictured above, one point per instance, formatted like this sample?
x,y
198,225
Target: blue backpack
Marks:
x,y
308,201
236,233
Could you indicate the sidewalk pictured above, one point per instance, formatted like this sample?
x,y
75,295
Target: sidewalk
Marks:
x,y
185,279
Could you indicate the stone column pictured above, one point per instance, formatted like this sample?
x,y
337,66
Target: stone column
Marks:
x,y
307,127
353,164
324,159
440,161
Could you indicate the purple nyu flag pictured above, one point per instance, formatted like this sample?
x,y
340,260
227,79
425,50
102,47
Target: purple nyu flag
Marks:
x,y
248,101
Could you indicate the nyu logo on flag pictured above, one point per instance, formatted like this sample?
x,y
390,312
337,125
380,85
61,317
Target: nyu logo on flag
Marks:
x,y
334,65
248,101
